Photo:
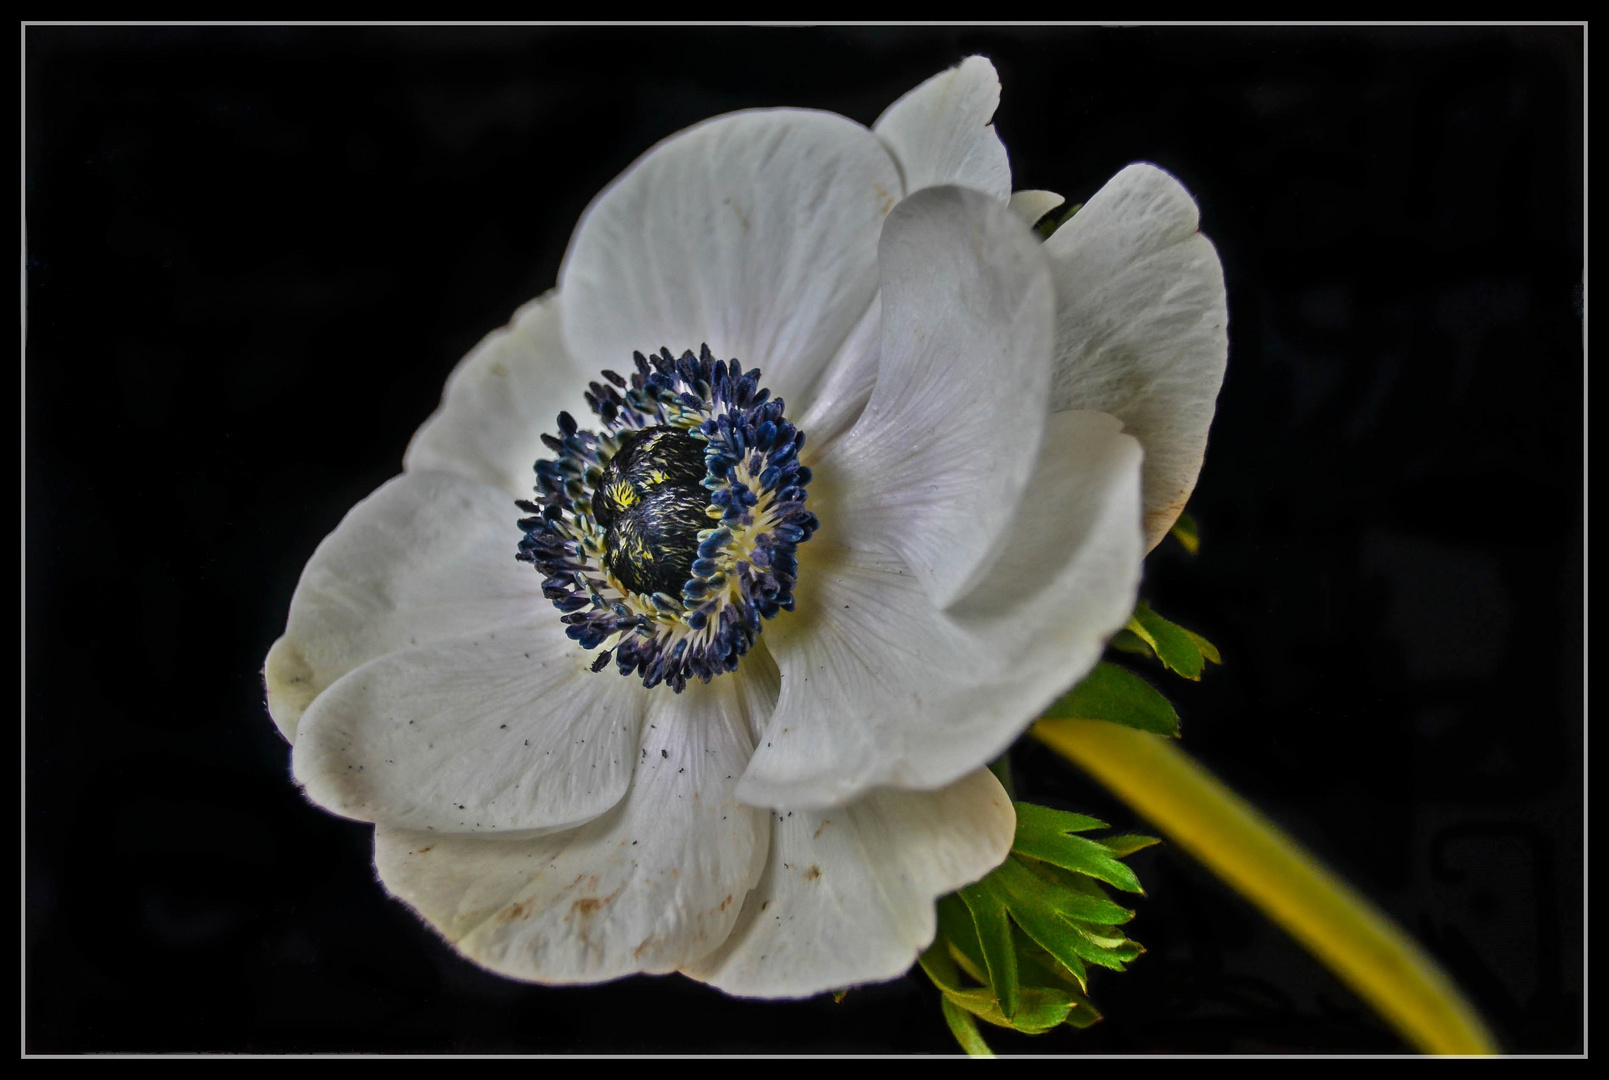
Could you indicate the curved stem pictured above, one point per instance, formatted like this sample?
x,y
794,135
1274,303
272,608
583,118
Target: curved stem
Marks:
x,y
1347,933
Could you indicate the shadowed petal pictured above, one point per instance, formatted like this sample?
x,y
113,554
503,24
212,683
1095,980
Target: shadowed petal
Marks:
x,y
650,886
940,132
879,687
427,557
1142,327
847,894
506,730
1031,206
938,459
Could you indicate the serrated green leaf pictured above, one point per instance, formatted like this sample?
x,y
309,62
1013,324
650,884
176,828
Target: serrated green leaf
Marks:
x,y
1082,1016
1040,1010
1184,530
1079,854
1170,642
1118,696
1036,820
1028,885
1208,650
940,967
1126,640
1027,931
1058,938
1107,938
1124,846
964,1028
1036,967
988,907
957,930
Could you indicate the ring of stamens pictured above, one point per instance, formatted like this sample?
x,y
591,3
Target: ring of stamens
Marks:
x,y
615,523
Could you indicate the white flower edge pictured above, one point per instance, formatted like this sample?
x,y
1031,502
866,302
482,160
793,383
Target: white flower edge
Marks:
x,y
1142,327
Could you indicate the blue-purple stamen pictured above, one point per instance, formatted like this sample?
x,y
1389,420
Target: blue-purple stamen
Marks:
x,y
594,537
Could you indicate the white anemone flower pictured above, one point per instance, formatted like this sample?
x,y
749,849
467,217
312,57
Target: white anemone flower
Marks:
x,y
816,645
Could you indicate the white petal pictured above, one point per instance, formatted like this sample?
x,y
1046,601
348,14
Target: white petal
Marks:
x,y
755,232
654,884
427,557
879,687
1030,206
1142,327
503,731
845,386
940,132
500,399
847,895
940,455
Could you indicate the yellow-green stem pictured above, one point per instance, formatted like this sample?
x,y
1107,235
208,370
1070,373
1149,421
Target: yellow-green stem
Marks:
x,y
1347,933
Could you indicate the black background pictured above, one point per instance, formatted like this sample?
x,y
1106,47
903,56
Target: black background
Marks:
x,y
255,253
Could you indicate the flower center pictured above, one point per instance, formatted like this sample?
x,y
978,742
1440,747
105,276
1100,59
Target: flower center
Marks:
x,y
651,502
668,534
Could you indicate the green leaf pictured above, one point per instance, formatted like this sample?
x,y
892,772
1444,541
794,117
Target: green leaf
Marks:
x,y
1082,1016
1124,846
1036,820
1126,640
957,929
1052,221
1106,950
1183,651
1041,1008
988,907
1058,937
1013,949
1043,840
964,1028
1171,644
1207,649
940,966
1184,530
1037,967
1032,883
1118,696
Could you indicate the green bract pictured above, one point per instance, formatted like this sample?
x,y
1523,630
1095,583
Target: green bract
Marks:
x,y
1014,948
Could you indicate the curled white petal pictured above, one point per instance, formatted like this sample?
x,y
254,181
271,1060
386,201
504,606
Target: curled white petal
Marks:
x,y
847,894
940,132
427,557
938,459
1142,327
650,886
503,731
1030,206
882,688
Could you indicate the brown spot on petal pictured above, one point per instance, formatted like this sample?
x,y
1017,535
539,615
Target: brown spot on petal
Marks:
x,y
589,906
825,822
516,911
813,874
